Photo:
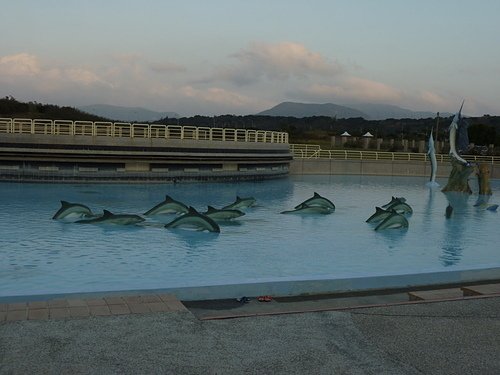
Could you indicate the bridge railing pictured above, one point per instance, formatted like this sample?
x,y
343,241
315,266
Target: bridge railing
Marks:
x,y
134,130
307,151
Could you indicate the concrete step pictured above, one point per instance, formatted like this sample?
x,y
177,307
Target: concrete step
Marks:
x,y
479,290
423,295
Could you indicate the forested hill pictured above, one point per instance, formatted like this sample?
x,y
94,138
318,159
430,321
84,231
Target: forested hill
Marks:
x,y
10,107
482,130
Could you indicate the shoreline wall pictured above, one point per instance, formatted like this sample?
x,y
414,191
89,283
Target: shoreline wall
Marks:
x,y
373,168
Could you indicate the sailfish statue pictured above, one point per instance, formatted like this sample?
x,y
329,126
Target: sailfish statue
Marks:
x,y
458,137
431,151
461,168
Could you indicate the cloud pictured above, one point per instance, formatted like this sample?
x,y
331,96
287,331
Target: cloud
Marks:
x,y
21,64
353,88
27,70
279,62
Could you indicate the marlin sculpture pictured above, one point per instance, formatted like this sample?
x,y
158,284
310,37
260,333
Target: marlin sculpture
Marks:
x,y
168,206
393,221
431,151
110,218
304,208
453,136
222,214
72,210
194,219
240,203
318,200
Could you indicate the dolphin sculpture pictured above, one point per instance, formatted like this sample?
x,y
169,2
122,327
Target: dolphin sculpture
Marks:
x,y
168,206
196,220
379,215
72,209
393,221
453,136
110,218
401,208
304,208
393,201
223,214
431,151
318,200
240,203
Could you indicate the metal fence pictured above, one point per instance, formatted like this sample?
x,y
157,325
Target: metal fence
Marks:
x,y
132,130
307,151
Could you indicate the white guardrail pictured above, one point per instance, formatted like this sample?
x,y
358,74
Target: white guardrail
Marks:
x,y
132,130
307,151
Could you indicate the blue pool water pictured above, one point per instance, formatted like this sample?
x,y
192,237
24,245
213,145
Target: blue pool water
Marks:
x,y
39,255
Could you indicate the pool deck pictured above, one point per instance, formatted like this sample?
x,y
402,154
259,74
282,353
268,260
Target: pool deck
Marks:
x,y
371,334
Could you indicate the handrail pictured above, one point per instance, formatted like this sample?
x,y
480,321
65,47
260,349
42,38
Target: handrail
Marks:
x,y
306,151
134,130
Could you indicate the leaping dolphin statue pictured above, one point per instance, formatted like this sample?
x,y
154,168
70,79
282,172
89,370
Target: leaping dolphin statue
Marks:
x,y
393,201
223,214
453,136
240,203
401,208
110,218
304,208
393,221
379,215
196,220
318,200
72,209
431,151
168,206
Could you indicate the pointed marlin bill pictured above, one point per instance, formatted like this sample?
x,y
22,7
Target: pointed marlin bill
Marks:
x,y
379,215
240,203
393,221
168,206
453,136
304,208
393,201
72,209
431,151
318,200
222,215
110,218
196,220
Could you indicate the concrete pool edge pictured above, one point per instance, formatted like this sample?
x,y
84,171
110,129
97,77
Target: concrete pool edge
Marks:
x,y
293,288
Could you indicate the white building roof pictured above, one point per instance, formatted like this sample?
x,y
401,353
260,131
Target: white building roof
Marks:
x,y
345,134
368,134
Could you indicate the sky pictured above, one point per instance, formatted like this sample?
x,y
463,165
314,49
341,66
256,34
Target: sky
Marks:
x,y
242,57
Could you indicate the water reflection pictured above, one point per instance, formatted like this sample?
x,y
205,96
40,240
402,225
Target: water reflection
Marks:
x,y
455,226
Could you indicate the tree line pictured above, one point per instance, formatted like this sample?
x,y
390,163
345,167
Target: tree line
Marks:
x,y
483,130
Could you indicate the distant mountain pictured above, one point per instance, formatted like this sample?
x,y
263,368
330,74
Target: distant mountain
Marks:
x,y
307,110
368,111
385,111
129,114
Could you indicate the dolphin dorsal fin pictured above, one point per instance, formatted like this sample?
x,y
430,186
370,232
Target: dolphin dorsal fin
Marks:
x,y
379,209
107,213
168,198
316,195
211,209
192,210
65,203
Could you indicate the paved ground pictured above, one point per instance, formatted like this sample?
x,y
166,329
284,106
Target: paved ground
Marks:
x,y
455,337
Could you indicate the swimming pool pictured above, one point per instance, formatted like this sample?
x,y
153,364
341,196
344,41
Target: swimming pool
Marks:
x,y
43,256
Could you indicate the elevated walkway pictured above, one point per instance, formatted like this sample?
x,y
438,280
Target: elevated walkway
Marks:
x,y
72,151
